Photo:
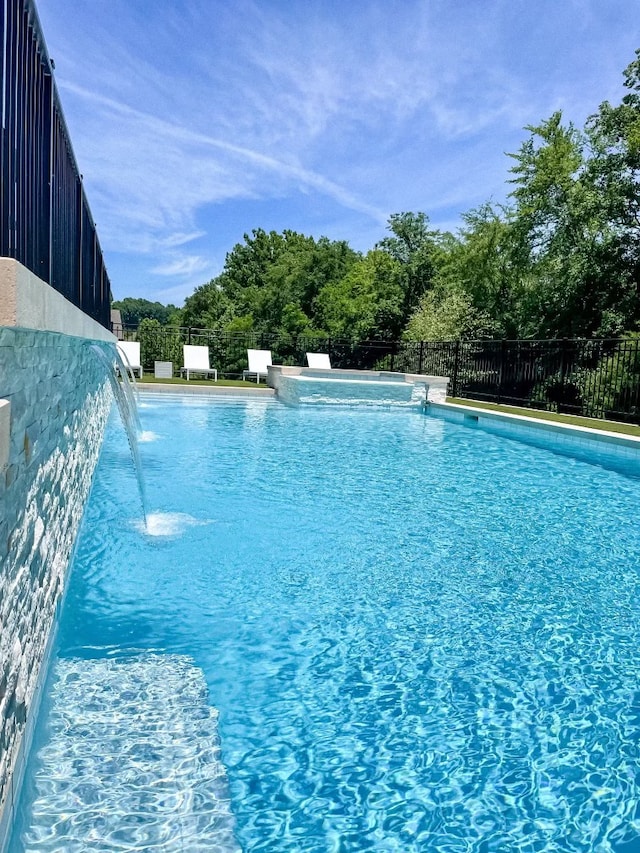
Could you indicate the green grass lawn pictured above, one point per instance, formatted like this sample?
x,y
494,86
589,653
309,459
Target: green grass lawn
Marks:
x,y
574,420
149,379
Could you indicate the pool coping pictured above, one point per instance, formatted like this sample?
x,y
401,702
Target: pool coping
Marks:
x,y
212,390
477,415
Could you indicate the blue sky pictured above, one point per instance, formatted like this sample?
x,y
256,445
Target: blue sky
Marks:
x,y
195,121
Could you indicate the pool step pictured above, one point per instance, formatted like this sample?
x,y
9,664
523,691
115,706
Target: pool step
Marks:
x,y
347,389
131,761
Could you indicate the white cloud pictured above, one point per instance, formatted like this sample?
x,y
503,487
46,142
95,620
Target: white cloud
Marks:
x,y
155,174
180,239
183,266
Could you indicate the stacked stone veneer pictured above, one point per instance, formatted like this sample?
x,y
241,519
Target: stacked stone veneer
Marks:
x,y
59,400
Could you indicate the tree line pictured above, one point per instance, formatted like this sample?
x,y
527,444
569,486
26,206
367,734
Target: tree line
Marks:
x,y
561,258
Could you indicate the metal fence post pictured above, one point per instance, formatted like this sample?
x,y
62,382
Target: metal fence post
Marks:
x,y
456,362
420,357
503,351
564,349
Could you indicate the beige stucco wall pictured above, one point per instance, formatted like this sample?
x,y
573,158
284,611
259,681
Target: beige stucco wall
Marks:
x,y
27,302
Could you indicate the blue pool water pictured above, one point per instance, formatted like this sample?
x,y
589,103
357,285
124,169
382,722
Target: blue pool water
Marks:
x,y
417,636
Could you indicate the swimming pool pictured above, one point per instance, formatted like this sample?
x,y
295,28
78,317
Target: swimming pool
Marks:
x,y
418,637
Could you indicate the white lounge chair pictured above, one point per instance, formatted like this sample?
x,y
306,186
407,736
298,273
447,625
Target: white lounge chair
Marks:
x,y
259,361
319,360
196,360
130,355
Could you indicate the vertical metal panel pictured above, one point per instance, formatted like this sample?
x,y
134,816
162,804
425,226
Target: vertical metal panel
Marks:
x,y
45,222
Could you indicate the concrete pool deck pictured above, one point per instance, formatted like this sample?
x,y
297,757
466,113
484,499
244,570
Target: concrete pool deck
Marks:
x,y
212,390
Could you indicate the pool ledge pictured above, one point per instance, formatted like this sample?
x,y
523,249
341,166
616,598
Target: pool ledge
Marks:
x,y
483,417
609,449
213,390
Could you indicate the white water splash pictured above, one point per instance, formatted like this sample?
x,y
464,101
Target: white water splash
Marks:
x,y
147,435
167,523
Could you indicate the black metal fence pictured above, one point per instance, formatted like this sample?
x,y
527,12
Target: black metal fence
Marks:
x,y
596,378
228,350
45,221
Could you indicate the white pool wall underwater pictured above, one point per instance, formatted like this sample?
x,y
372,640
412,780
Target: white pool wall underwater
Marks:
x,y
306,385
54,402
610,449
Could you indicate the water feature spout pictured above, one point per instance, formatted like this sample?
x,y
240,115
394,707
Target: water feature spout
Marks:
x,y
124,366
125,400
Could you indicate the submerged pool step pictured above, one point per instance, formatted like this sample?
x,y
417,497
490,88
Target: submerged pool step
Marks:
x,y
131,761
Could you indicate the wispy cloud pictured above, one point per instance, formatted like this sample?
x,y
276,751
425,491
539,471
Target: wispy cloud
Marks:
x,y
183,266
163,171
178,239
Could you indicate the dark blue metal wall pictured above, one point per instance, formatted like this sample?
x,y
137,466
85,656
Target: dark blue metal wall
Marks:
x,y
45,220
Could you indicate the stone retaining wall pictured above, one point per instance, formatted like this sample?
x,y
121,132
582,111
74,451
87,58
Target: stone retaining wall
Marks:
x,y
55,401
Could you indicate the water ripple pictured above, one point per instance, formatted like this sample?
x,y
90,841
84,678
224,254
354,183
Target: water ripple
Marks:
x,y
132,761
420,637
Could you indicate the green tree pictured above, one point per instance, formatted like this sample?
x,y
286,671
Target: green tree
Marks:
x,y
613,176
546,182
235,351
414,247
562,260
207,308
244,276
158,343
479,267
133,310
614,134
300,274
569,271
272,278
449,317
577,218
367,303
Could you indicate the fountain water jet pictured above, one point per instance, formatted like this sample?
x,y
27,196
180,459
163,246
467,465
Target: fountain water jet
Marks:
x,y
125,400
124,366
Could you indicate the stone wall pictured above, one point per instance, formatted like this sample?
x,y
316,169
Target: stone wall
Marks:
x,y
55,400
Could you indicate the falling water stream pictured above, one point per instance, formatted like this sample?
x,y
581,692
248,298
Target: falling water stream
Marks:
x,y
123,361
126,402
